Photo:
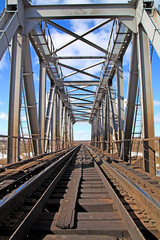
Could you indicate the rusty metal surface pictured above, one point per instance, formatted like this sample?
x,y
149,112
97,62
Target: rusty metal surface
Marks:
x,y
148,205
14,176
146,181
13,201
86,195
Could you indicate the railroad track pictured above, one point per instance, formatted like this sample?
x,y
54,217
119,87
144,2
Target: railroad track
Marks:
x,y
150,184
78,197
14,175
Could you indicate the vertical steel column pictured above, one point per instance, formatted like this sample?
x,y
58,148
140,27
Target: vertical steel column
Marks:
x,y
96,128
42,103
48,117
30,95
110,125
99,127
66,129
63,126
120,98
14,97
54,123
104,121
113,111
147,100
95,131
101,124
131,98
92,133
107,122
60,121
71,132
105,110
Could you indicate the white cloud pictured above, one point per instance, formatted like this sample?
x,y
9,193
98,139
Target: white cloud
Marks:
x,y
79,48
76,1
36,60
157,118
80,132
1,103
82,135
156,103
157,4
125,76
125,103
3,132
3,62
43,2
3,116
23,118
127,55
35,77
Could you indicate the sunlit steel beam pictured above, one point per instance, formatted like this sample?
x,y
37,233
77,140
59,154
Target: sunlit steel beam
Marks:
x,y
84,34
76,36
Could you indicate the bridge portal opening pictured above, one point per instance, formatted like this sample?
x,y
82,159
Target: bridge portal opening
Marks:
x,y
82,131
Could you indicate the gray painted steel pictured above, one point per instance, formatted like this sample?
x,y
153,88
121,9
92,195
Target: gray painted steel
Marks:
x,y
78,100
14,97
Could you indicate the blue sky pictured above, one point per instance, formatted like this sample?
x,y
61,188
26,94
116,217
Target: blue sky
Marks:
x,y
81,131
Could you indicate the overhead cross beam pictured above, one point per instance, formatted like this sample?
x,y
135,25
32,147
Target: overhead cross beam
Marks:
x,y
81,70
78,111
134,18
81,83
84,34
80,88
79,57
82,94
80,11
82,107
82,104
81,98
76,36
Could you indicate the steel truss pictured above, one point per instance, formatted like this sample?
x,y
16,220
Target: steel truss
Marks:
x,y
74,100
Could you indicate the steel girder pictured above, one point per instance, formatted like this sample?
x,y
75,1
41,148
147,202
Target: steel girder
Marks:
x,y
81,11
48,116
30,95
130,14
14,97
121,41
131,98
120,98
147,100
42,103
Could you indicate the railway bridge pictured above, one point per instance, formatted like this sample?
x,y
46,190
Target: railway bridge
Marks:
x,y
52,186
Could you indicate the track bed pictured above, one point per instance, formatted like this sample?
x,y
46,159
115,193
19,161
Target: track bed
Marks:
x,y
77,197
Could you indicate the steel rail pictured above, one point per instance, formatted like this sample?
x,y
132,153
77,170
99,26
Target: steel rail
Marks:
x,y
68,204
32,171
152,205
16,198
18,227
8,166
33,214
130,224
151,189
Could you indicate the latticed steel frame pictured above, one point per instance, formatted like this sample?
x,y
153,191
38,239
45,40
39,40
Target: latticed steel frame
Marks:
x,y
23,23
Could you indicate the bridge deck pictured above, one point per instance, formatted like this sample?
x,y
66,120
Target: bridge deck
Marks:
x,y
77,196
